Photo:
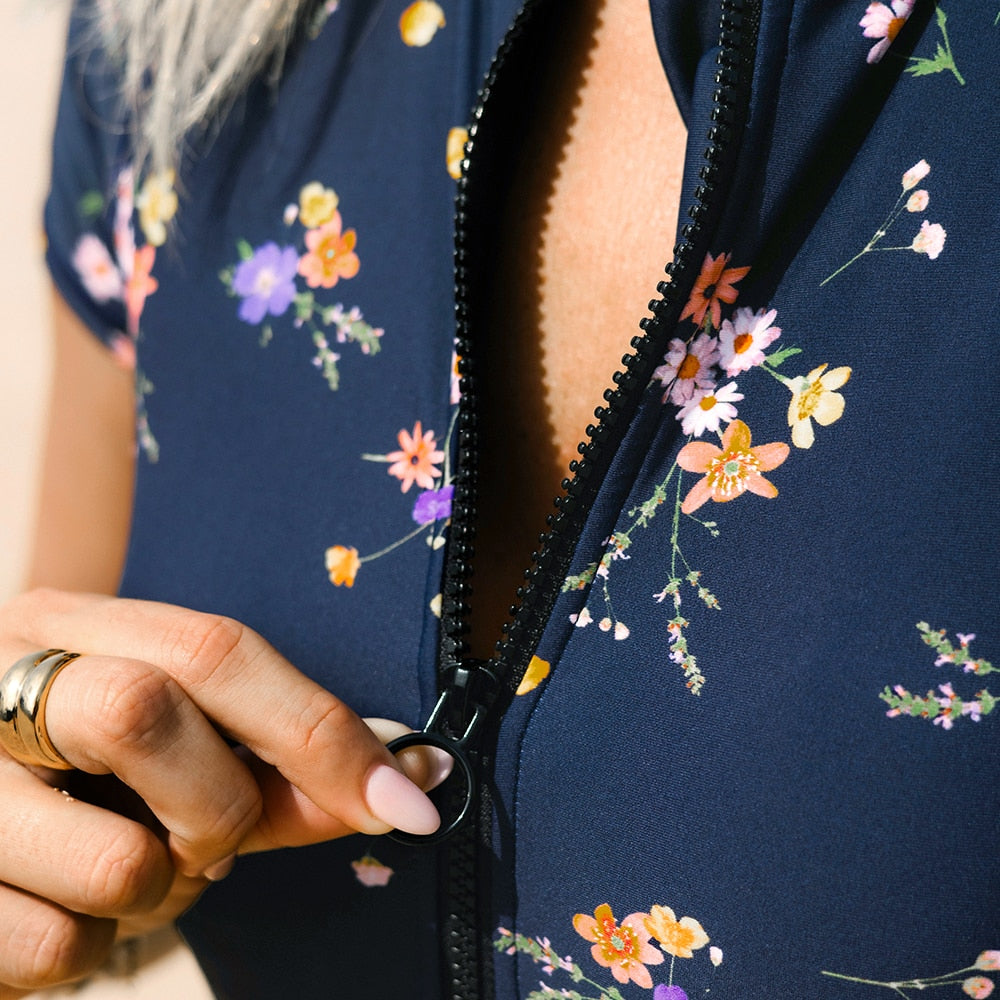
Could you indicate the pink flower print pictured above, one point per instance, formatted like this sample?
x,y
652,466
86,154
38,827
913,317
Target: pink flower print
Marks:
x,y
988,960
915,174
266,282
414,462
688,368
884,21
978,987
918,201
716,283
140,285
331,255
944,720
930,239
124,235
96,269
623,948
732,470
123,349
370,872
707,410
743,338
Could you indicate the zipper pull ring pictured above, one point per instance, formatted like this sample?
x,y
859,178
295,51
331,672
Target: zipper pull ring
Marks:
x,y
453,726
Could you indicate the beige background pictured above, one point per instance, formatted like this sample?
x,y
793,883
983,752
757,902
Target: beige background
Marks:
x,y
31,35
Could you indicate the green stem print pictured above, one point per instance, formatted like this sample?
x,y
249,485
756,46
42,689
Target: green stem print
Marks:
x,y
930,238
415,463
974,985
943,61
633,950
694,378
268,278
945,708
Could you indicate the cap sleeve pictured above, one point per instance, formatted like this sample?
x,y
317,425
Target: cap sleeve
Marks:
x,y
90,250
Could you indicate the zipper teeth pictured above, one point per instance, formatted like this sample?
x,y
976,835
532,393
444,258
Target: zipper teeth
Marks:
x,y
466,950
739,21
461,533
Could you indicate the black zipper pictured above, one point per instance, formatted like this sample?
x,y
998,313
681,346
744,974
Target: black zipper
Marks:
x,y
486,687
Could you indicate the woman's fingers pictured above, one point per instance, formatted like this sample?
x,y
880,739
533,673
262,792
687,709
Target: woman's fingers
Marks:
x,y
291,819
77,855
129,718
137,705
42,944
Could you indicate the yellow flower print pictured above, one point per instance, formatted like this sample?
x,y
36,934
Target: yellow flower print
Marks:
x,y
679,938
455,152
157,205
342,563
317,205
814,398
420,22
538,670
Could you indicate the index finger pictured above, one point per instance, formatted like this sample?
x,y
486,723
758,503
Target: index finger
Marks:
x,y
251,692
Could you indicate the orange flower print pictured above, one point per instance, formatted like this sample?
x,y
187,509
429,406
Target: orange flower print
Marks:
x,y
414,462
731,470
623,948
679,938
538,670
420,22
342,563
140,285
713,285
331,255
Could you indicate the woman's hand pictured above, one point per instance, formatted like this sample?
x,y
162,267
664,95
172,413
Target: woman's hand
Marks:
x,y
151,711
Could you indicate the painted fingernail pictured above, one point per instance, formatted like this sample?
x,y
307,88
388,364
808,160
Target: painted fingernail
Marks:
x,y
443,765
218,871
395,800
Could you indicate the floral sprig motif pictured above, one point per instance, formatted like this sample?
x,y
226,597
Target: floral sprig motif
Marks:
x,y
267,281
929,239
418,461
698,377
945,708
942,61
626,948
127,275
977,986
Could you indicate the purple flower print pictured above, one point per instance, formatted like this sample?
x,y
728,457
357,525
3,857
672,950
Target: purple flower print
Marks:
x,y
266,282
669,993
433,505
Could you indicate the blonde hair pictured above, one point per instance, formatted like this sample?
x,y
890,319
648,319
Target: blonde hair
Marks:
x,y
182,63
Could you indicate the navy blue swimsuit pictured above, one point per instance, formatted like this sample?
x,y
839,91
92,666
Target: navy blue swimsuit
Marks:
x,y
753,749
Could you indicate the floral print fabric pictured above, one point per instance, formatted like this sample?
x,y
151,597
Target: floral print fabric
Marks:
x,y
732,768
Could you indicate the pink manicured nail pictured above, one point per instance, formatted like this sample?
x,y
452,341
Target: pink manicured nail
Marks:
x,y
395,800
444,764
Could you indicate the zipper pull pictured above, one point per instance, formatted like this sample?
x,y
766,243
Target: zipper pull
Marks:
x,y
453,726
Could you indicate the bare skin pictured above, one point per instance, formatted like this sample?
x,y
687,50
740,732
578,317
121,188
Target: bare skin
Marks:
x,y
589,228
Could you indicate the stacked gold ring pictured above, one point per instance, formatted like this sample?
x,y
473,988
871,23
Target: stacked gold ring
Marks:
x,y
24,691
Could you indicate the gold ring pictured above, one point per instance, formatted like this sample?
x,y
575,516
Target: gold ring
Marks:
x,y
24,691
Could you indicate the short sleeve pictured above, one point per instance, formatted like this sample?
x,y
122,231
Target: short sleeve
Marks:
x,y
87,220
